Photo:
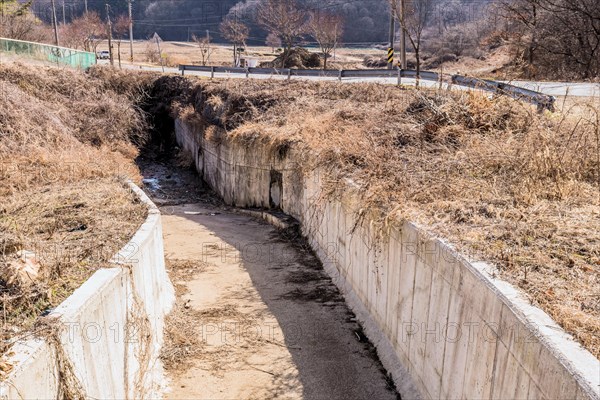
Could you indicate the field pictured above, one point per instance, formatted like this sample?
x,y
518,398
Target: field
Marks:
x,y
184,52
344,58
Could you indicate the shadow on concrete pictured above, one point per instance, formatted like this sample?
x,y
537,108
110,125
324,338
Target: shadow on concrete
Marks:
x,y
333,357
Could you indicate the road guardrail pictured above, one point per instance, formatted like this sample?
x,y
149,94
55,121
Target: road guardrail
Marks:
x,y
542,101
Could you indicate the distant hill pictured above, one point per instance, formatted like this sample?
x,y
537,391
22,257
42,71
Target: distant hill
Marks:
x,y
366,21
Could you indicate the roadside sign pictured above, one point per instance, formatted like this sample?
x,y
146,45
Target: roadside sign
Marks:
x,y
390,55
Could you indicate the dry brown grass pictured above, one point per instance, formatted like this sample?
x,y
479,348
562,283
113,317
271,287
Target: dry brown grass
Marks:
x,y
73,230
60,126
67,141
501,182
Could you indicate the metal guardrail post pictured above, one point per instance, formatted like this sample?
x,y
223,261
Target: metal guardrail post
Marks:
x,y
247,73
340,75
289,74
399,76
182,70
212,72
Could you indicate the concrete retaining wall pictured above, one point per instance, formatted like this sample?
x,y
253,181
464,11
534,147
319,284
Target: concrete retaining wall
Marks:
x,y
441,323
110,330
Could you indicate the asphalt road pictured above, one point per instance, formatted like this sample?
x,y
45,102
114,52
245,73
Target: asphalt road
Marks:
x,y
562,88
549,88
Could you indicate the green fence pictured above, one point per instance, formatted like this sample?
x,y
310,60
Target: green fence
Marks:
x,y
44,52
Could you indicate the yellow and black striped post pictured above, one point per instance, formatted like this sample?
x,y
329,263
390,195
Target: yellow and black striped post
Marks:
x,y
390,58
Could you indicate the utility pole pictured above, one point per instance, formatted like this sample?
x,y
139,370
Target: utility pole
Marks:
x,y
85,5
109,31
159,52
336,41
55,23
392,35
402,36
64,14
235,62
130,30
207,45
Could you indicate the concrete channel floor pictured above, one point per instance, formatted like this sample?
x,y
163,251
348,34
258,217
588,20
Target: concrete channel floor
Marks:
x,y
272,323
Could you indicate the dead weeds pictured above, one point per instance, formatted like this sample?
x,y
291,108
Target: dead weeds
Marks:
x,y
183,326
73,231
67,142
183,338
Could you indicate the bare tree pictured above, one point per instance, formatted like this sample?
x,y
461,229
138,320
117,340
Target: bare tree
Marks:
x,y
327,30
413,16
579,42
524,16
285,19
236,32
17,21
559,38
85,32
206,49
273,41
120,30
152,54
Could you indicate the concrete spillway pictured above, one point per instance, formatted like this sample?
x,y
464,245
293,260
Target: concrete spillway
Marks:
x,y
272,323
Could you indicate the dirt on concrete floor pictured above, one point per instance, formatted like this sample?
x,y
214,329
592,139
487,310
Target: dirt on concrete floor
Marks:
x,y
264,318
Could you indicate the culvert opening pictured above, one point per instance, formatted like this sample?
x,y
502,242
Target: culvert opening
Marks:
x,y
162,95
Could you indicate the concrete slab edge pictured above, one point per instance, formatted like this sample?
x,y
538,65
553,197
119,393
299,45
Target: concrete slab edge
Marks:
x,y
271,219
572,355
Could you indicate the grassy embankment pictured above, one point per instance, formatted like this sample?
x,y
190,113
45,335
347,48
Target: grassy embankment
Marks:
x,y
68,141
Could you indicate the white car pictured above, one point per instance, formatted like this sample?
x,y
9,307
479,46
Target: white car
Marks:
x,y
103,55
